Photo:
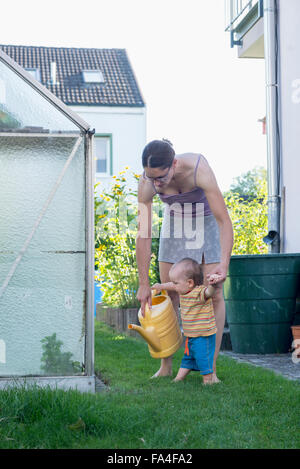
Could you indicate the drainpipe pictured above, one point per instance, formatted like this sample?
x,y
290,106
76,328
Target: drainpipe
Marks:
x,y
273,147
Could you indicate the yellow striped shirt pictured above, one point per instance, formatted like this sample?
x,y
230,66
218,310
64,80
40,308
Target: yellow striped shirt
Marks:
x,y
197,313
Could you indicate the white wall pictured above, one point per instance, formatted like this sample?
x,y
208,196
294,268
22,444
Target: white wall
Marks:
x,y
128,128
289,41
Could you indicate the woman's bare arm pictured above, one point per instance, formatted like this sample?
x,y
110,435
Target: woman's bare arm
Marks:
x,y
143,241
207,181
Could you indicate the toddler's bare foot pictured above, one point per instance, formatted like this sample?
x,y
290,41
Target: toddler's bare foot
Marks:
x,y
215,379
182,373
208,379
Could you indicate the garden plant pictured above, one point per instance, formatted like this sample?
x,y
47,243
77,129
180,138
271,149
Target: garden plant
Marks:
x,y
116,211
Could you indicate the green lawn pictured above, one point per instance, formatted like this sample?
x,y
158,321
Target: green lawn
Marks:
x,y
251,408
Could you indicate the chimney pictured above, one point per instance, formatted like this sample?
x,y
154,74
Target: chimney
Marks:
x,y
53,73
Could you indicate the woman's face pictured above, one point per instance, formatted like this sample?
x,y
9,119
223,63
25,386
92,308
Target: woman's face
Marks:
x,y
160,177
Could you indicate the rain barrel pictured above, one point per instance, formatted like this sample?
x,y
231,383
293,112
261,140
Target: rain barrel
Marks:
x,y
260,295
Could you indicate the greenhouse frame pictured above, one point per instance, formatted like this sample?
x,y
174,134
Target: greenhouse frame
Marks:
x,y
46,237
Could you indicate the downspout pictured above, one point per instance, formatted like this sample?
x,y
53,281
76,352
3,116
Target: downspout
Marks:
x,y
272,118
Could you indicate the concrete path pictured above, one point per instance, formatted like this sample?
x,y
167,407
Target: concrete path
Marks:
x,y
279,363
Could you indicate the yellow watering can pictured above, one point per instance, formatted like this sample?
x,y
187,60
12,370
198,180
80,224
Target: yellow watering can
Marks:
x,y
160,327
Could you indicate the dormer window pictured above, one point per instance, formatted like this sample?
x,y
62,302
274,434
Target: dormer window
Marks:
x,y
35,73
92,76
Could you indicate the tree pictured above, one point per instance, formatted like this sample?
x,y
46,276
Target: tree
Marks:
x,y
247,207
248,184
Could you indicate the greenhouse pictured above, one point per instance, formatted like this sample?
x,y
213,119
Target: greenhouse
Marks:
x,y
46,237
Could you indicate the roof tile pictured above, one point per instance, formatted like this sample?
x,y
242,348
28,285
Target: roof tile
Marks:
x,y
119,89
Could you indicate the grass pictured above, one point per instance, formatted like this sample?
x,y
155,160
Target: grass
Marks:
x,y
251,408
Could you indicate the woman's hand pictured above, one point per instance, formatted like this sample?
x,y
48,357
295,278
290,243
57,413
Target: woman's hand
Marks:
x,y
144,295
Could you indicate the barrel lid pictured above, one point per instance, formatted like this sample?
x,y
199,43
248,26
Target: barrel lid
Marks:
x,y
269,255
264,264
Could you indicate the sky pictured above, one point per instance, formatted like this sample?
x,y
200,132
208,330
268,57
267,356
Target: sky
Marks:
x,y
198,94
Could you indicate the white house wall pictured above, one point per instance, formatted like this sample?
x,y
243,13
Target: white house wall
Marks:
x,y
289,43
128,129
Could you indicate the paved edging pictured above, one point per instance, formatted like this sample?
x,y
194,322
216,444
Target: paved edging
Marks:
x,y
279,363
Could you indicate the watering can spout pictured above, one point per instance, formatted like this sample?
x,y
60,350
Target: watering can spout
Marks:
x,y
149,335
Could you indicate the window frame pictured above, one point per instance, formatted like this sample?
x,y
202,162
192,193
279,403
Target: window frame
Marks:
x,y
37,71
110,155
92,82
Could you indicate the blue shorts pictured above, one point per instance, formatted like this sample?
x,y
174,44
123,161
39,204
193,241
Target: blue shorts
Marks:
x,y
200,354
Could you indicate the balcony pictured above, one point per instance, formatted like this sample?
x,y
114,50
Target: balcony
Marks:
x,y
240,18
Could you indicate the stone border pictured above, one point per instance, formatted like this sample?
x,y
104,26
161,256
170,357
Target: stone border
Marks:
x,y
278,363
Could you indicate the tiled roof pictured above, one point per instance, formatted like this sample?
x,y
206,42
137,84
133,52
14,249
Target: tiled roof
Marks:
x,y
120,87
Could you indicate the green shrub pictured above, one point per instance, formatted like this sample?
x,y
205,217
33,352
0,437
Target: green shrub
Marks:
x,y
116,212
249,220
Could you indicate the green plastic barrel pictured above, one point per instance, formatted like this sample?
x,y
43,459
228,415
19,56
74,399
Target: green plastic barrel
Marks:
x,y
260,295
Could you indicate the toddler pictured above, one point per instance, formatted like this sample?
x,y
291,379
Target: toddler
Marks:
x,y
197,315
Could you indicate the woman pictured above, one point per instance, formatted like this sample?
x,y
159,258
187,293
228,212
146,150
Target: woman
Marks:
x,y
191,194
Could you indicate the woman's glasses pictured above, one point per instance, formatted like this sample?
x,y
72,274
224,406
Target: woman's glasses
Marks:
x,y
159,178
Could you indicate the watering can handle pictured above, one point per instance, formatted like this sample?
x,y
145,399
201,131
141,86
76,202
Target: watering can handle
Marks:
x,y
163,292
154,292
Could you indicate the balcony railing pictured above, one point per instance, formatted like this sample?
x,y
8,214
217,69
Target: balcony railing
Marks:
x,y
240,16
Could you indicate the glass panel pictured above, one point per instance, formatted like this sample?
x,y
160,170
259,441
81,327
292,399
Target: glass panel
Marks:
x,y
93,76
101,150
21,107
42,309
237,9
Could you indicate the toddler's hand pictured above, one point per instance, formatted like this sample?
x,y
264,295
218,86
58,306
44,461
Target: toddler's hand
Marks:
x,y
157,287
214,278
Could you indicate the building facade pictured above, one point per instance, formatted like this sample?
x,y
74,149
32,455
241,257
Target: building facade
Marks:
x,y
270,29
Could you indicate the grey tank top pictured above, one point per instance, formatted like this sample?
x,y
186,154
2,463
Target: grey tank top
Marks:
x,y
193,197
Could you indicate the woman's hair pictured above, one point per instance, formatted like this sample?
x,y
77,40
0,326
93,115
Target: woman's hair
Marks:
x,y
192,270
158,154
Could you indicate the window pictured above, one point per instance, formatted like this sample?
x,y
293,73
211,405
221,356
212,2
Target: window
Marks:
x,y
102,154
92,76
34,72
